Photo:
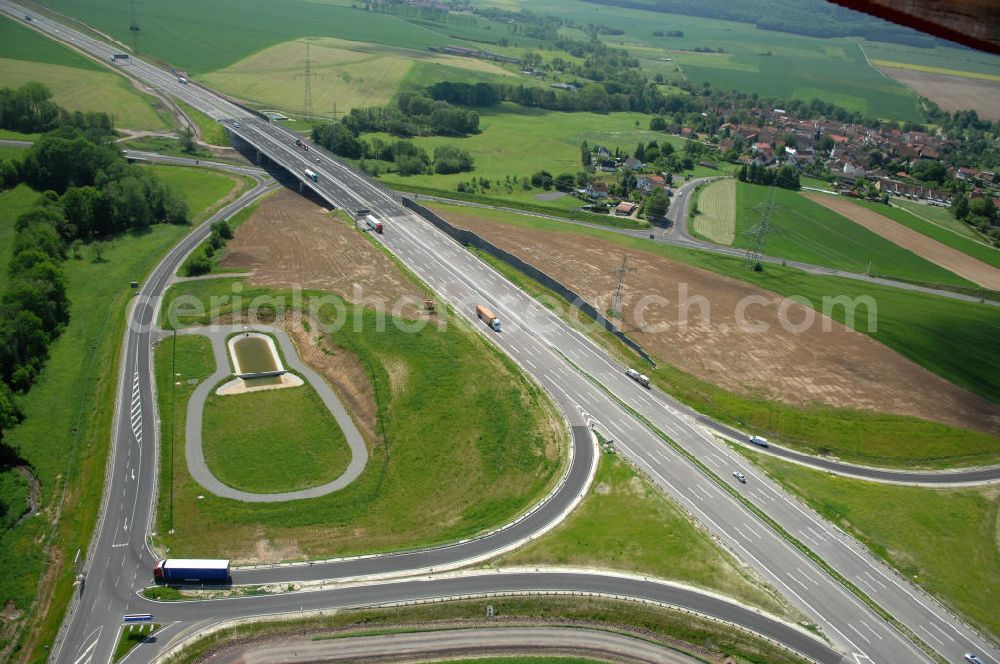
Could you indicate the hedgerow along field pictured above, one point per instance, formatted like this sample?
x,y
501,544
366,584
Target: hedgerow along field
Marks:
x,y
79,380
715,219
802,230
77,83
917,530
771,64
467,444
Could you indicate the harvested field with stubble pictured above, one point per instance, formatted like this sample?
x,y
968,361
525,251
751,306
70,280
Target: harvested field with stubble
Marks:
x,y
827,364
951,259
289,241
952,93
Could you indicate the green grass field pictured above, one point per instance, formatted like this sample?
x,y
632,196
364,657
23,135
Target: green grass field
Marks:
x,y
77,83
13,203
624,523
69,452
716,216
352,74
250,445
925,328
519,141
204,194
921,532
202,38
459,453
803,230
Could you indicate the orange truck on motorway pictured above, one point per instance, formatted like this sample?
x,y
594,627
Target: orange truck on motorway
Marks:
x,y
488,317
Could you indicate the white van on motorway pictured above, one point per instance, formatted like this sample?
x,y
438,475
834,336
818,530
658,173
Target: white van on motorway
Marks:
x,y
759,440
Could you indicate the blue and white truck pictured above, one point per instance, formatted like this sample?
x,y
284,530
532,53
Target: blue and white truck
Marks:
x,y
192,570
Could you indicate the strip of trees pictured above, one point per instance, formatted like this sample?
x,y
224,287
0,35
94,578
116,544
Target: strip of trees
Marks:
x,y
785,176
408,158
89,193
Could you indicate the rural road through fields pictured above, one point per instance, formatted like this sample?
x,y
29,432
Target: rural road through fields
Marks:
x,y
598,390
447,644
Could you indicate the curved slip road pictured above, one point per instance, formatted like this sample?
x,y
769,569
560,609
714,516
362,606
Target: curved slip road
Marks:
x,y
194,451
198,616
452,643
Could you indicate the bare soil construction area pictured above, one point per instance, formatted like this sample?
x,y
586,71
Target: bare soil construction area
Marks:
x,y
826,364
291,241
954,260
952,93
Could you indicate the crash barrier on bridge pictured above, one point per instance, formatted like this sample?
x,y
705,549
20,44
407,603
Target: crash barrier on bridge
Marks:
x,y
468,238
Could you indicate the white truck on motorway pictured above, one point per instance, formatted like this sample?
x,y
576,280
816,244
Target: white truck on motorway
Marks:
x,y
759,440
642,379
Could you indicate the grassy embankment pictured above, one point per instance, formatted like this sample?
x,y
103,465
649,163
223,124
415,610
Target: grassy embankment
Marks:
x,y
919,531
456,454
684,632
803,230
714,215
67,453
77,83
624,523
210,130
249,444
922,327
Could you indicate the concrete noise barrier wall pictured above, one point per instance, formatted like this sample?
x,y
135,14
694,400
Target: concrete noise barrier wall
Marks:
x,y
468,238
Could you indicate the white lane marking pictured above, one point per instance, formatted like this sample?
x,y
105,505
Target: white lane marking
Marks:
x,y
942,632
874,580
87,653
873,588
869,628
807,577
796,580
930,634
858,632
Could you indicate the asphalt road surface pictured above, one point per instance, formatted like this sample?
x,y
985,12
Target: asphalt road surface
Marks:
x,y
585,383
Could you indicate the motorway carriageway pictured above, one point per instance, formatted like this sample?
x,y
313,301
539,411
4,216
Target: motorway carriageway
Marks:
x,y
536,338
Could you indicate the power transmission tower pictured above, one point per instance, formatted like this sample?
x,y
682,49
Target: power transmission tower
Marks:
x,y
307,75
616,299
759,233
133,27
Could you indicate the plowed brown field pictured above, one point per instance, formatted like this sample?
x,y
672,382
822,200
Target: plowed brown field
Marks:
x,y
954,260
290,241
827,364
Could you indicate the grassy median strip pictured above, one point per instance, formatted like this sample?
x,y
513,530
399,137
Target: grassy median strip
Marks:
x,y
132,636
763,516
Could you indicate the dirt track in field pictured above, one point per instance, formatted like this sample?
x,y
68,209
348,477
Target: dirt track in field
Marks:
x,y
828,364
952,93
291,241
954,260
